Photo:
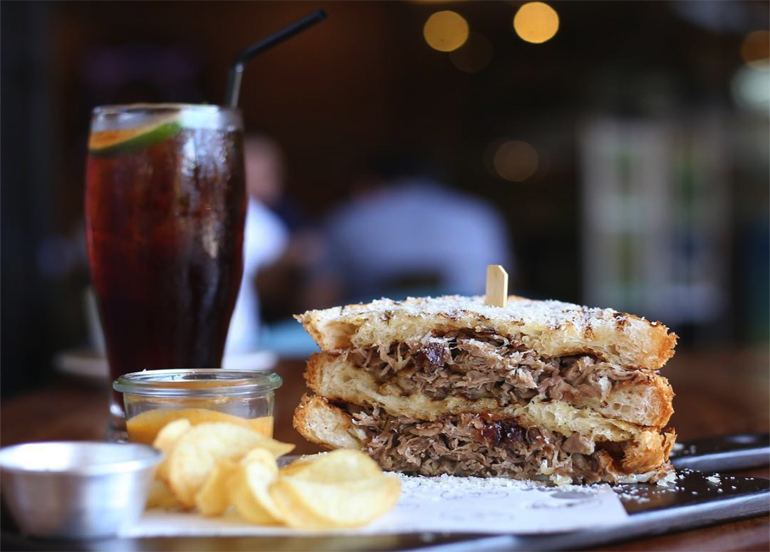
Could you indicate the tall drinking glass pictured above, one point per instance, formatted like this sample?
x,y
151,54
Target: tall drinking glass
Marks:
x,y
165,210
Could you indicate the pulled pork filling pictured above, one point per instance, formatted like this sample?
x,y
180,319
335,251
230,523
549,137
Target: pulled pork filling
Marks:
x,y
479,445
477,365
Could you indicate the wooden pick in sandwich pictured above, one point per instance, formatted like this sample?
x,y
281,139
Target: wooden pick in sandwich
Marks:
x,y
497,286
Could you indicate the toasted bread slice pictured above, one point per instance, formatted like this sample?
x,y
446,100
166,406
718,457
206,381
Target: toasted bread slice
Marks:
x,y
324,424
639,458
644,402
551,328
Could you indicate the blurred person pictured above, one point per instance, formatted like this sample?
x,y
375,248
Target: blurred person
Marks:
x,y
405,232
281,279
267,165
265,168
278,248
265,238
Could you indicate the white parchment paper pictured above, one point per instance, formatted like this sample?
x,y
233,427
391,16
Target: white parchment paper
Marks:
x,y
437,504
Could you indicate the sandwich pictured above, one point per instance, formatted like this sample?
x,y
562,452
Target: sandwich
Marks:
x,y
539,390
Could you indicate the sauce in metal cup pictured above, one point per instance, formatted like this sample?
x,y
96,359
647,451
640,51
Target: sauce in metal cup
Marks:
x,y
154,398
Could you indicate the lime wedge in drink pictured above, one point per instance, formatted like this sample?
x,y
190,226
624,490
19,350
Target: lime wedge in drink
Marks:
x,y
124,140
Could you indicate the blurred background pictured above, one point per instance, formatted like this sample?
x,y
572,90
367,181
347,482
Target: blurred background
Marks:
x,y
607,153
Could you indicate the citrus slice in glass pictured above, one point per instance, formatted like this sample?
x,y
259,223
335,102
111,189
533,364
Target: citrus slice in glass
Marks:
x,y
124,140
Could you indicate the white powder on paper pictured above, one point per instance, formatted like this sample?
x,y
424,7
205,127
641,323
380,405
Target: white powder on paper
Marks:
x,y
437,504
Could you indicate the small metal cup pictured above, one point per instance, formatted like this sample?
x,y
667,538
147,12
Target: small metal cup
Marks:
x,y
76,489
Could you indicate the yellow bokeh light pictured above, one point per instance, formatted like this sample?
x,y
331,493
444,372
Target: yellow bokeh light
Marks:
x,y
515,160
536,22
755,49
446,31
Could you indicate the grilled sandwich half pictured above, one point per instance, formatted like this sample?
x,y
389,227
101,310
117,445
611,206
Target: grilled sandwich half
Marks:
x,y
534,390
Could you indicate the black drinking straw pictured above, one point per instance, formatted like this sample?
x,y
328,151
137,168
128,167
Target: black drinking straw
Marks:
x,y
236,71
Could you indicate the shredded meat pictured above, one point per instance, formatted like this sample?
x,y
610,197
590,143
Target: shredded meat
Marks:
x,y
478,445
579,444
487,365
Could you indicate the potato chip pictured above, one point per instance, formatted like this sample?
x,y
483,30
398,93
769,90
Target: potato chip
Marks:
x,y
170,434
337,466
313,505
199,449
214,497
216,464
261,455
161,497
276,448
166,440
249,490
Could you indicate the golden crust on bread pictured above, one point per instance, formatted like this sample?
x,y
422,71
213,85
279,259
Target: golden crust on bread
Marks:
x,y
324,424
648,451
551,328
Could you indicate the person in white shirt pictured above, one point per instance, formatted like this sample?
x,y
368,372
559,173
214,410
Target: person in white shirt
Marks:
x,y
409,233
265,239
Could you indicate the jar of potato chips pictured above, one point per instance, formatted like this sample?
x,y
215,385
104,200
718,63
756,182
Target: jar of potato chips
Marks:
x,y
153,398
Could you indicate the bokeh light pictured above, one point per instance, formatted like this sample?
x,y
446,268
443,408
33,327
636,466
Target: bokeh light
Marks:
x,y
755,49
474,55
515,160
446,31
536,22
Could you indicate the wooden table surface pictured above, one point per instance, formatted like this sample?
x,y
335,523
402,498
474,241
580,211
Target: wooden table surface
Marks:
x,y
717,393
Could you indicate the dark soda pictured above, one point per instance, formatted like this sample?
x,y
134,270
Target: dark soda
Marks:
x,y
164,223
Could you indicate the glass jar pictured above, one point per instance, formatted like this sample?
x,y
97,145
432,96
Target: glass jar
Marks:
x,y
153,398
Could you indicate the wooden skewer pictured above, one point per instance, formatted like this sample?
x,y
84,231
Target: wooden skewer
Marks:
x,y
497,286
